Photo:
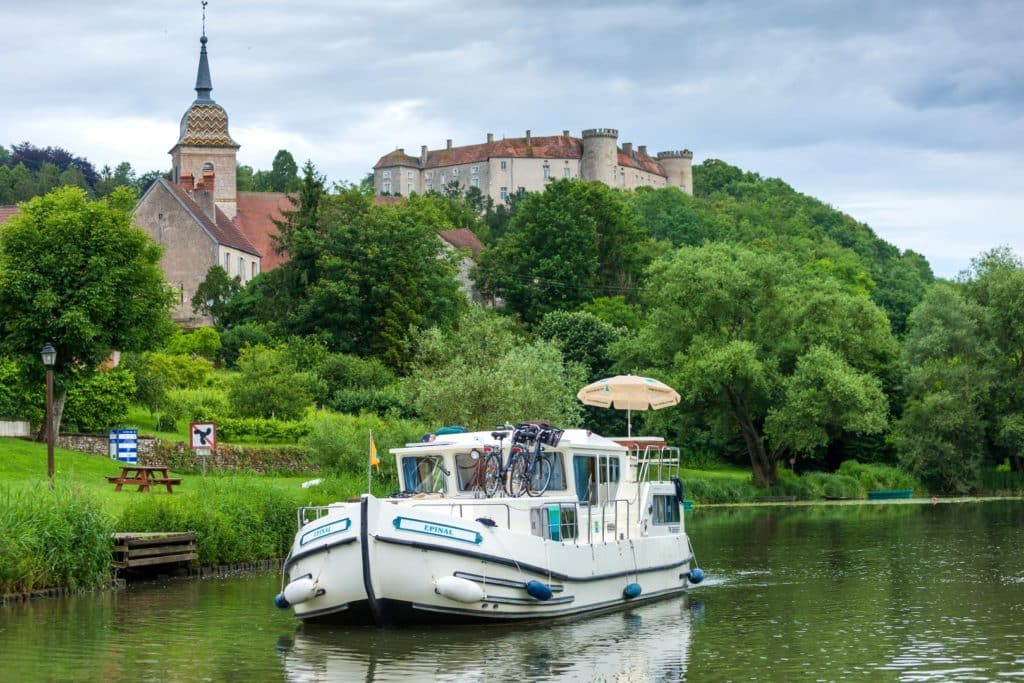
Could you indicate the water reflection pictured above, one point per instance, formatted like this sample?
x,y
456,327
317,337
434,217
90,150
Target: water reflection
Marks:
x,y
646,643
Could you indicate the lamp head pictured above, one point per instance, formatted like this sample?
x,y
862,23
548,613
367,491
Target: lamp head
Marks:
x,y
49,355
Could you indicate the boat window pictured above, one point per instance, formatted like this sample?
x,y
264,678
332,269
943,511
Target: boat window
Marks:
x,y
665,510
557,482
424,473
596,477
470,468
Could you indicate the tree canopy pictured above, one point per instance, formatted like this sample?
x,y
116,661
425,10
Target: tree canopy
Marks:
x,y
77,273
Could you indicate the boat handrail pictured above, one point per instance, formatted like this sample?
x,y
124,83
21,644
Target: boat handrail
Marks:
x,y
665,458
311,513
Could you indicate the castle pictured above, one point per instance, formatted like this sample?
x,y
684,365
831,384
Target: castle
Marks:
x,y
500,168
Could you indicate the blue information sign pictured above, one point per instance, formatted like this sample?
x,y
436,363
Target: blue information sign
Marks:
x,y
124,445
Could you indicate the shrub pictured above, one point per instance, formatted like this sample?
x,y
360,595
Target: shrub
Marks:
x,y
203,342
342,442
100,400
269,385
872,477
719,490
260,429
389,400
53,538
235,339
166,423
197,404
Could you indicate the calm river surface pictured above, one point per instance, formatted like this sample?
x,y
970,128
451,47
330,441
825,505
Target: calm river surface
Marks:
x,y
873,592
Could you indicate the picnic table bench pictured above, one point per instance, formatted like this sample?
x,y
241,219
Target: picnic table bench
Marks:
x,y
145,476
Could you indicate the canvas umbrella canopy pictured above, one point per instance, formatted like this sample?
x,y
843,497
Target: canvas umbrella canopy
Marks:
x,y
629,393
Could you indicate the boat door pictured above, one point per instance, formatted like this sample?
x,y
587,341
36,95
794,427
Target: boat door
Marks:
x,y
662,511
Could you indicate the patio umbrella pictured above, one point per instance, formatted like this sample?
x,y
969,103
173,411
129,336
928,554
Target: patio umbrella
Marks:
x,y
629,393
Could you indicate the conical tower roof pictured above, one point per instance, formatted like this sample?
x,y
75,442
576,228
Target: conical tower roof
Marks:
x,y
205,124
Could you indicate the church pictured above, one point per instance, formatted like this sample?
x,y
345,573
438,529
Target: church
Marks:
x,y
198,215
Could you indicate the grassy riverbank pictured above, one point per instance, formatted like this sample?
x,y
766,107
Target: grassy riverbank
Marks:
x,y
61,537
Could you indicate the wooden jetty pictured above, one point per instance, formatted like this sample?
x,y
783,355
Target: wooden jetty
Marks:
x,y
133,549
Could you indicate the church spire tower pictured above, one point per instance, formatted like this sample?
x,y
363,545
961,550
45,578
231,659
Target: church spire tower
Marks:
x,y
205,150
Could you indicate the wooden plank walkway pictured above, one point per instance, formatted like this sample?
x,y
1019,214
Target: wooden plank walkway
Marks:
x,y
136,549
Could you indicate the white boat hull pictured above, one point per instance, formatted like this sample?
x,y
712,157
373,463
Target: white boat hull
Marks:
x,y
380,562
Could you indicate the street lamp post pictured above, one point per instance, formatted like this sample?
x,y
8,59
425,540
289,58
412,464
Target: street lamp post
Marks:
x,y
49,355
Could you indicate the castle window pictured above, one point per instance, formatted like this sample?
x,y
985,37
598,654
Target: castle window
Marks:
x,y
504,193
385,174
547,171
241,267
504,165
455,173
408,188
408,175
474,181
442,180
386,187
430,175
474,169
430,187
565,172
255,269
227,262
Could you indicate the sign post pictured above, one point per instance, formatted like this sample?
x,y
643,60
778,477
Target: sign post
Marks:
x,y
202,439
124,445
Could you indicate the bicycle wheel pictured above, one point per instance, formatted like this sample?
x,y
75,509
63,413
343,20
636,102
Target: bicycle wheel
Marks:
x,y
538,483
492,474
517,476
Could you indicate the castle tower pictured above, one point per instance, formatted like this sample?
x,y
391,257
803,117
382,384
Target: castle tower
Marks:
x,y
600,155
205,143
678,165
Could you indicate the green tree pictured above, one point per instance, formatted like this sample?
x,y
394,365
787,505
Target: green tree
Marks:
x,y
270,386
78,274
100,401
757,345
214,292
496,376
284,172
564,247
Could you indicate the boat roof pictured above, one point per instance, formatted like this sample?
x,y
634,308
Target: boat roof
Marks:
x,y
571,438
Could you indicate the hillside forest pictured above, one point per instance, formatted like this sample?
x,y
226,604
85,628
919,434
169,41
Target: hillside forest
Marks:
x,y
797,338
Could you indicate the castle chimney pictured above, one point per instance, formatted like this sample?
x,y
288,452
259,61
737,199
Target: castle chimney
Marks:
x,y
208,181
627,148
188,182
490,138
423,155
565,133
528,141
643,150
449,143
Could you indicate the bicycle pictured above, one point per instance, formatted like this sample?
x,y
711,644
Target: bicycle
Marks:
x,y
529,468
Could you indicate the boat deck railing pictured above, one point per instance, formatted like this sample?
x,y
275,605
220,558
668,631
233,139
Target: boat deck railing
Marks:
x,y
311,513
655,462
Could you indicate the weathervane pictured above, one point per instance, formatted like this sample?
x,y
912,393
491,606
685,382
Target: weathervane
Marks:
x,y
205,3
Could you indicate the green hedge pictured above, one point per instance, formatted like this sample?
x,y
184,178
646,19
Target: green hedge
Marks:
x,y
261,430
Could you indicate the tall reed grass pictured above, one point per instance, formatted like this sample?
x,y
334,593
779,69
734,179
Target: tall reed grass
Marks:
x,y
53,538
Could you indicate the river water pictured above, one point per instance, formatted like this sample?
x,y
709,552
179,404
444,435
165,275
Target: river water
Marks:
x,y
873,592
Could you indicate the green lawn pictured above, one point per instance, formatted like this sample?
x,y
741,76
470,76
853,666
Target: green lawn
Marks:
x,y
23,464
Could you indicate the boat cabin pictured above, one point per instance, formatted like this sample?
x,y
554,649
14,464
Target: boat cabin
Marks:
x,y
613,486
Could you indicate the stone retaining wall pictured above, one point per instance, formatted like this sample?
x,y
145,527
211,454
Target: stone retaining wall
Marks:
x,y
180,458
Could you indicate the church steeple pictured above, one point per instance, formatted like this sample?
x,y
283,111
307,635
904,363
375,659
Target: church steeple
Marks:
x,y
203,84
205,143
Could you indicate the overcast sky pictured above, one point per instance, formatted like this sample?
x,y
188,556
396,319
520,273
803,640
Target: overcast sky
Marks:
x,y
907,115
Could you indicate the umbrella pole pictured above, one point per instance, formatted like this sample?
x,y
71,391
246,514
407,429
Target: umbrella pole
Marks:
x,y
629,423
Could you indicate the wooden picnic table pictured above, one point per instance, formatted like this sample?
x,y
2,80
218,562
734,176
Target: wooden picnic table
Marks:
x,y
145,476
